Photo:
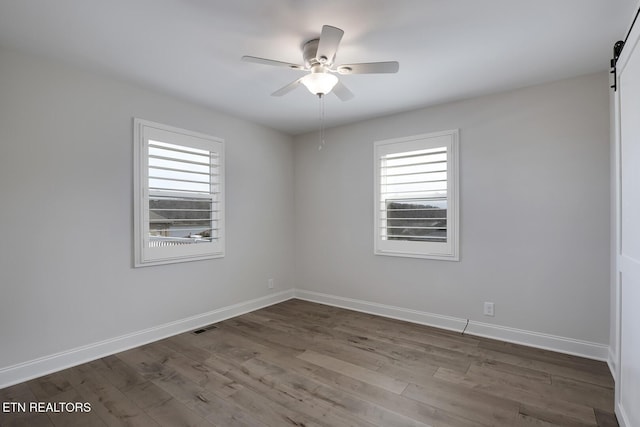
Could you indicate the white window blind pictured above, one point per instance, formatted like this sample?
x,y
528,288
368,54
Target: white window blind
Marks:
x,y
416,196
180,189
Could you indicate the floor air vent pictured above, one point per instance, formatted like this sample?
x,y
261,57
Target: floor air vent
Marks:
x,y
204,329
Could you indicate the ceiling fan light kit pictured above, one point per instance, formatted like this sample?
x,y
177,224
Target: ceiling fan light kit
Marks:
x,y
319,83
319,56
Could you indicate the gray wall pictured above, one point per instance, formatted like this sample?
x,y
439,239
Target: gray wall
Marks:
x,y
534,199
66,215
534,212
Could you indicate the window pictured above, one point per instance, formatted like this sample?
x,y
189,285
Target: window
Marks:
x,y
416,196
178,195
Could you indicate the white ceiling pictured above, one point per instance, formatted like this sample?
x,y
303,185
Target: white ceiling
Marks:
x,y
447,49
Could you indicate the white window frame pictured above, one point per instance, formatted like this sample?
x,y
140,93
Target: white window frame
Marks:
x,y
449,250
145,255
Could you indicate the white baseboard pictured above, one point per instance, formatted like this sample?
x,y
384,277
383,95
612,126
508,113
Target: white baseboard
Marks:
x,y
45,365
621,415
611,361
518,336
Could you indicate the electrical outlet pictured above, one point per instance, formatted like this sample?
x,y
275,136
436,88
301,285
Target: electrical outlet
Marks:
x,y
489,309
270,284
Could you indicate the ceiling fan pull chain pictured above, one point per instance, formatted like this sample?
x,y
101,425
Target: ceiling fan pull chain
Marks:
x,y
321,106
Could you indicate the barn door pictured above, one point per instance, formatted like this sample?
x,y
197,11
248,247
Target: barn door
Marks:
x,y
628,131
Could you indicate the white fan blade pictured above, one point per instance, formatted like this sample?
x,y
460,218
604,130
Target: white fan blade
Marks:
x,y
288,88
342,92
264,61
369,68
328,44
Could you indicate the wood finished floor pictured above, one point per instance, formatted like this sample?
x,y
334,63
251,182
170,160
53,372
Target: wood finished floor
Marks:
x,y
304,364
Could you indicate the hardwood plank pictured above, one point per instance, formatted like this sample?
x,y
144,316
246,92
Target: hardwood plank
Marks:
x,y
189,381
17,393
345,368
417,375
527,374
25,419
292,343
305,371
185,344
551,368
227,341
238,340
257,397
205,403
606,419
266,379
539,397
107,402
391,401
525,420
174,414
589,371
368,337
305,341
337,400
150,394
229,414
78,419
21,393
49,386
317,313
157,363
121,375
147,395
369,411
549,356
441,353
395,332
588,394
466,402
19,419
552,416
403,355
144,364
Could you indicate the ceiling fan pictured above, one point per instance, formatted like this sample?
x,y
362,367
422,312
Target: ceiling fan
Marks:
x,y
319,56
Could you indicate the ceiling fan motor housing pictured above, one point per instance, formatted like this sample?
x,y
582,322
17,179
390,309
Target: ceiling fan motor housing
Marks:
x,y
309,52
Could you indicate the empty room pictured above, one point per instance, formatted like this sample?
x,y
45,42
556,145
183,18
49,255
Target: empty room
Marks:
x,y
304,213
